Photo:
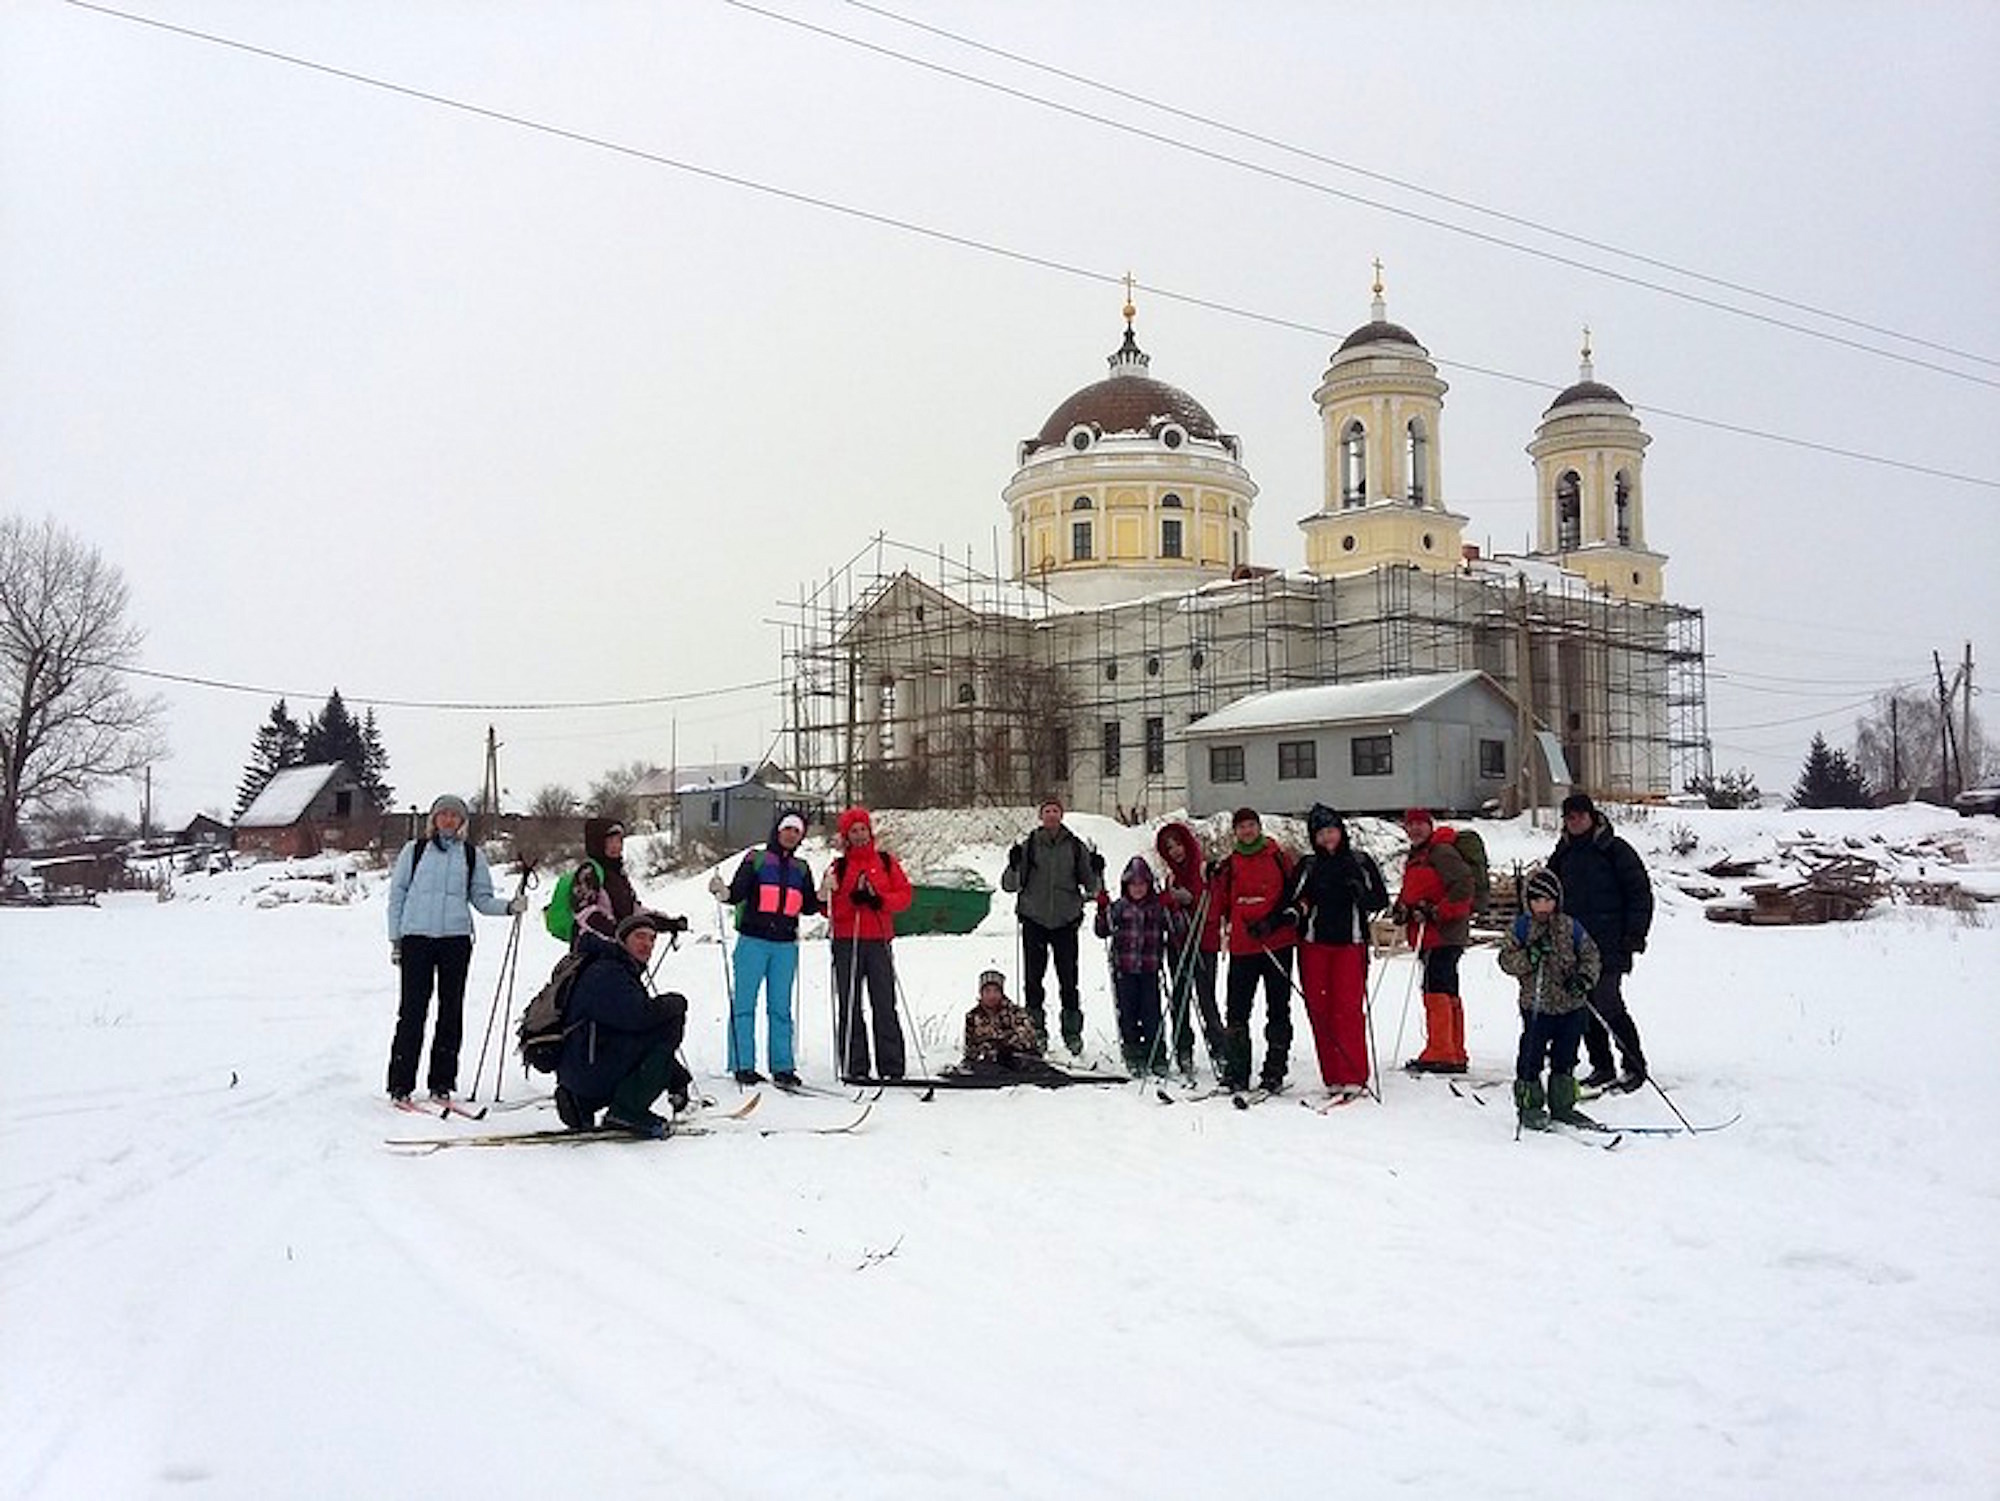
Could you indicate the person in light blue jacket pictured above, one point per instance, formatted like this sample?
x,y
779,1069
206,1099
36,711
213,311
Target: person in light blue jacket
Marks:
x,y
439,879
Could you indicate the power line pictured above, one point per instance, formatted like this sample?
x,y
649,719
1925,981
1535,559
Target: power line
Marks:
x,y
1817,714
1406,184
1430,220
966,242
454,707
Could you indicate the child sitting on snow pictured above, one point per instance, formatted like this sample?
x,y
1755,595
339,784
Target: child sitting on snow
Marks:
x,y
1557,964
1138,925
998,1034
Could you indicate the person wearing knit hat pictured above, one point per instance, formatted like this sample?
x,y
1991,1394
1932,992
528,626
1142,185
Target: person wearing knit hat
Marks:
x,y
440,879
1248,883
1137,925
1556,962
999,1035
1435,908
1606,888
1052,873
864,888
620,1040
1334,890
771,890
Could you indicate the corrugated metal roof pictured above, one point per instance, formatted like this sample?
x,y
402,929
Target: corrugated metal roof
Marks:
x,y
287,795
1385,698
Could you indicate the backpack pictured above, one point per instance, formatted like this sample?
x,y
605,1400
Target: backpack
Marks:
x,y
1472,849
545,1023
559,913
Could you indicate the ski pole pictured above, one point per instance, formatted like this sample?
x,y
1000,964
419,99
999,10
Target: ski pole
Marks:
x,y
509,956
843,1014
910,1016
1298,989
1368,999
728,988
1591,1006
1409,989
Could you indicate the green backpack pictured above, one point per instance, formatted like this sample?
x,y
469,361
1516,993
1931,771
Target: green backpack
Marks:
x,y
1472,849
559,915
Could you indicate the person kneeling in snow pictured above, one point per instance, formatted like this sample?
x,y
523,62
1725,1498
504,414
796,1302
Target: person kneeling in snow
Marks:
x,y
999,1036
618,1054
1557,964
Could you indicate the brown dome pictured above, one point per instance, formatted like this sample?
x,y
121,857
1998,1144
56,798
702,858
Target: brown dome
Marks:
x,y
1587,390
1381,331
1127,404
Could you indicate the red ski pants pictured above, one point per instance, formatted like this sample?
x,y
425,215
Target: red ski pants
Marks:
x,y
1334,977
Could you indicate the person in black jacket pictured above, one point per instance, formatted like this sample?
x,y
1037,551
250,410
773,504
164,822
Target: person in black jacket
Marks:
x,y
618,1056
601,895
1330,897
1605,887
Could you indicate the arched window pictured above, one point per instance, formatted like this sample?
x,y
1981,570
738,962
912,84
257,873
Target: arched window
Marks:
x,y
1081,503
1418,452
1171,501
1569,512
1353,467
1622,501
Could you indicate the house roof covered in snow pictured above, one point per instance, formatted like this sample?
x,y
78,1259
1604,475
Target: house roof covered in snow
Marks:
x,y
287,795
1385,698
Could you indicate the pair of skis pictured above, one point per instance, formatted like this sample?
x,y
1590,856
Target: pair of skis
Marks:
x,y
423,1146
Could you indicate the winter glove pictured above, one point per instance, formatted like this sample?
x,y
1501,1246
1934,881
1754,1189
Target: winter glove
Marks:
x,y
1425,912
395,951
866,896
1399,914
518,905
673,925
1103,901
718,888
1540,952
1014,858
1261,927
1213,870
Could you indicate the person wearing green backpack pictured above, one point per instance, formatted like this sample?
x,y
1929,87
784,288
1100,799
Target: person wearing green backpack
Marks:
x,y
596,896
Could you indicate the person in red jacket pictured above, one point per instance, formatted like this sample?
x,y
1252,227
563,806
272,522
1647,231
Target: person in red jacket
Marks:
x,y
865,887
1248,884
1184,889
1435,907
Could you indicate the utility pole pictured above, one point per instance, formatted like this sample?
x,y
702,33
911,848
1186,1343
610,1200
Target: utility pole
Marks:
x,y
1965,713
489,792
1945,747
1895,747
1527,775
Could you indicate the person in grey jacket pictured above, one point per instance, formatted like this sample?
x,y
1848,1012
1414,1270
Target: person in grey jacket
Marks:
x,y
439,880
1054,873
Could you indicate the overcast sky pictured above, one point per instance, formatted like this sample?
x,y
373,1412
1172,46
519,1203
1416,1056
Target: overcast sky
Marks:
x,y
361,389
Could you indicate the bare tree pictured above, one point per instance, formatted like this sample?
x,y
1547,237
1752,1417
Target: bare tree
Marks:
x,y
67,721
610,795
553,800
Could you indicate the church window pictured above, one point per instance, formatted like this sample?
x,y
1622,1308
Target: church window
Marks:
x,y
1079,541
1173,435
1569,512
1418,452
1347,543
1110,672
1152,667
1171,501
1170,537
1081,503
1080,437
1156,745
1112,748
1622,501
1354,466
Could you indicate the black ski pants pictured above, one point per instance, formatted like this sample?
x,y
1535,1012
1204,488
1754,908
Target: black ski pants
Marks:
x,y
428,962
1271,968
1607,1000
1037,945
864,993
1548,1038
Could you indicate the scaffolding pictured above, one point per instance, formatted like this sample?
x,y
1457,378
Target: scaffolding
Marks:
x,y
916,679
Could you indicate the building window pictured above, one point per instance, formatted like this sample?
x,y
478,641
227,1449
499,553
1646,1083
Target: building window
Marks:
x,y
1354,466
1493,760
1170,537
343,804
1170,502
1621,500
715,812
1079,541
1156,745
1418,453
1225,763
1112,759
1081,503
1569,512
1374,755
1298,760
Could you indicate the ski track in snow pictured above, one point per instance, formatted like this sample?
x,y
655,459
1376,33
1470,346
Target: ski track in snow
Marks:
x,y
236,1291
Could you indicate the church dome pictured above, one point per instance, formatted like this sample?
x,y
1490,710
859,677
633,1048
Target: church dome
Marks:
x,y
1587,390
1379,331
1131,401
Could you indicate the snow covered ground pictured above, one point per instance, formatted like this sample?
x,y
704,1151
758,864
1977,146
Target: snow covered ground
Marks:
x,y
215,1280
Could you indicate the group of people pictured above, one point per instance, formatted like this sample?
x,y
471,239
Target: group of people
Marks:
x,y
1288,926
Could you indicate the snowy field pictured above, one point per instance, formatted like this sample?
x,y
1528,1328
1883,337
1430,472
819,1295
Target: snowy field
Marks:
x,y
215,1280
